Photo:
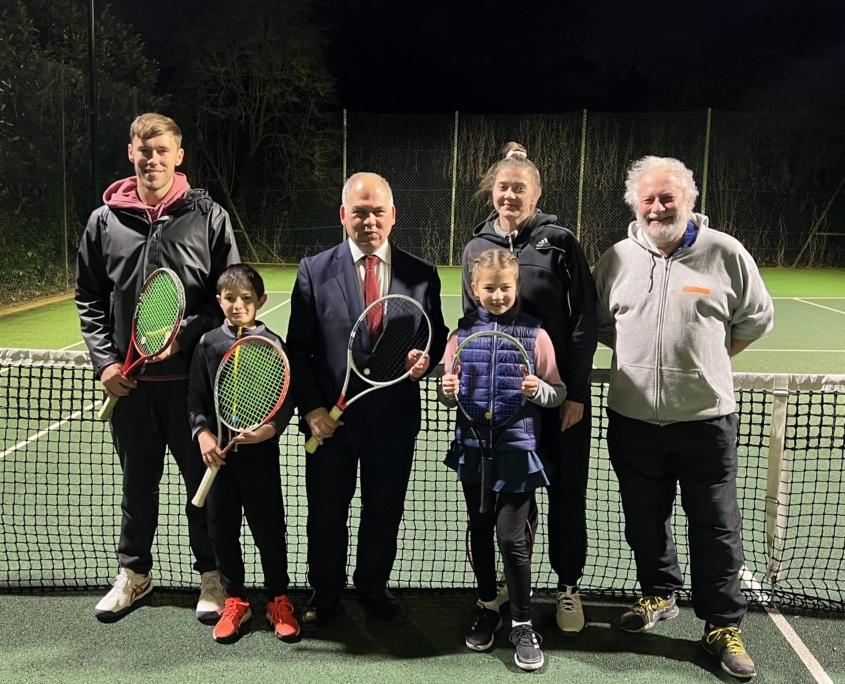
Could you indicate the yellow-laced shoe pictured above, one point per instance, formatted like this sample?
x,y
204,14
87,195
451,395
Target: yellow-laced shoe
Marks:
x,y
647,612
725,643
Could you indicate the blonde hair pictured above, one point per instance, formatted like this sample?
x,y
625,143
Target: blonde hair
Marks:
x,y
495,260
151,125
678,173
514,155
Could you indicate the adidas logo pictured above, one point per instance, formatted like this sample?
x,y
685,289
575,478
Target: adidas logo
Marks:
x,y
543,244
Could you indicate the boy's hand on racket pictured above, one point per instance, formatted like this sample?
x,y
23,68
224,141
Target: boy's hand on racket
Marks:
x,y
321,424
260,434
212,455
530,383
169,350
571,412
417,362
114,382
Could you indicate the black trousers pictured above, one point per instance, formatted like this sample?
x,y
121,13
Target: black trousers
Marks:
x,y
330,479
249,484
569,452
650,460
508,519
147,421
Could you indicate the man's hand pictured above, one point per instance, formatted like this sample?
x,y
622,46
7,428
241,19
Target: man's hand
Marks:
x,y
212,455
168,351
417,363
530,383
321,424
571,412
260,434
114,382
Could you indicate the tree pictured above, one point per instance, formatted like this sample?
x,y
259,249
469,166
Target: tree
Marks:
x,y
256,88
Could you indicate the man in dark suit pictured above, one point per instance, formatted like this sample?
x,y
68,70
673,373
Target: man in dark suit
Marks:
x,y
379,430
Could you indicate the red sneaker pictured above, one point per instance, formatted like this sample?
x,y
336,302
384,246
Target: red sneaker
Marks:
x,y
280,615
236,616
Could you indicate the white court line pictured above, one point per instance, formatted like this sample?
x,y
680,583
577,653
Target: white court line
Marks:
x,y
71,346
43,432
797,299
821,306
751,350
792,638
269,311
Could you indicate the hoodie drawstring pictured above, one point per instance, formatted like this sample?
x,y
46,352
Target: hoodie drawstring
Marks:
x,y
651,273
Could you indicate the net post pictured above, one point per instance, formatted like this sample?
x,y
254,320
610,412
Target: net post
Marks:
x,y
777,486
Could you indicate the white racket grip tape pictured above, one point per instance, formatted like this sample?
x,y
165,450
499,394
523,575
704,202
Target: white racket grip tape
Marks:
x,y
106,409
205,486
312,444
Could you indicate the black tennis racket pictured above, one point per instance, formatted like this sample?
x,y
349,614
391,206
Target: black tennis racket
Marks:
x,y
489,409
381,341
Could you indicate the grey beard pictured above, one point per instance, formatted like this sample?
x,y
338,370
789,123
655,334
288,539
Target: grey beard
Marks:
x,y
668,233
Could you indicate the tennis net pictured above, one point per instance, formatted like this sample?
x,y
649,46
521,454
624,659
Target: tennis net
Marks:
x,y
60,497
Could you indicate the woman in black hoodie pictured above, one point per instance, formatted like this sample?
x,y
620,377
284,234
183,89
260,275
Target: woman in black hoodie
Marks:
x,y
556,287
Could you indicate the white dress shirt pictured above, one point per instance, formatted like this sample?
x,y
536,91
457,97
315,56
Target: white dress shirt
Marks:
x,y
382,268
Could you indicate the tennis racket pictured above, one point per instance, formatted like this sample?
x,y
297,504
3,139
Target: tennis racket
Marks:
x,y
250,387
488,410
158,315
380,358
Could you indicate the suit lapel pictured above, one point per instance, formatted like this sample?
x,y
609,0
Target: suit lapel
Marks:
x,y
344,271
397,268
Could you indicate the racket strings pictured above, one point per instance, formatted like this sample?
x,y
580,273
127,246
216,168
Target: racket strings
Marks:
x,y
249,384
157,313
383,357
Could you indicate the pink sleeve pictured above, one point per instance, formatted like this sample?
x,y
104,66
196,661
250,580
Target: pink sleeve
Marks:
x,y
545,365
451,348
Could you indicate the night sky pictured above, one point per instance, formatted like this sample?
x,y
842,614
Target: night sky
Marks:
x,y
420,56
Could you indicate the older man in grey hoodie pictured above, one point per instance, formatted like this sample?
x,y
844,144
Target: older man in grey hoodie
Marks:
x,y
678,299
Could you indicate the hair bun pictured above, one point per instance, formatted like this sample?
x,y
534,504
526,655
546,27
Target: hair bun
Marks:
x,y
514,149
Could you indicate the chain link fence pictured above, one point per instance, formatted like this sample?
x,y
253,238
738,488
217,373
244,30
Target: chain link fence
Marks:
x,y
776,181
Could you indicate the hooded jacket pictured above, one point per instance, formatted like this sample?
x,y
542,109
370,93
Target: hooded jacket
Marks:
x,y
673,319
122,245
555,286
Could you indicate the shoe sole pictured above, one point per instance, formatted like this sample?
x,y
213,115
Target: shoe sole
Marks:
x,y
209,618
569,634
529,666
645,628
242,629
287,639
109,617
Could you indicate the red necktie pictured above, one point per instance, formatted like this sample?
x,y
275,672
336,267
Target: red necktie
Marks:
x,y
372,292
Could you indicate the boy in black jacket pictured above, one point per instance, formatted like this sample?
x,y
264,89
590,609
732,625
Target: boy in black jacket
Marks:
x,y
249,481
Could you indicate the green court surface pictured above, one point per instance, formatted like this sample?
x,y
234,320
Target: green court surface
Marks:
x,y
54,638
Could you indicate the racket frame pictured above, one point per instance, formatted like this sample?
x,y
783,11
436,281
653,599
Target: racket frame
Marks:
x,y
131,362
488,451
342,404
211,471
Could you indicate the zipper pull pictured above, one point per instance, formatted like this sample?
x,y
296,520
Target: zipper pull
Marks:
x,y
510,241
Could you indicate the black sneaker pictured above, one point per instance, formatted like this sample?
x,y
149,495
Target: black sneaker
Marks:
x,y
384,607
481,636
320,612
527,643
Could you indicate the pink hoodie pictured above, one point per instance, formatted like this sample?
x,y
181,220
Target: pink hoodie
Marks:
x,y
123,194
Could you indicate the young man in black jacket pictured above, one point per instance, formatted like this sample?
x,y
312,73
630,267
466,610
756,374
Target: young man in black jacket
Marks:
x,y
152,220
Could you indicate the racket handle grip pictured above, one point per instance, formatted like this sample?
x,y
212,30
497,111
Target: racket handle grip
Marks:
x,y
205,486
486,487
106,409
312,444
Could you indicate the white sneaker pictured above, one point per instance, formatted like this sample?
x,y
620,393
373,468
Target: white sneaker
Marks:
x,y
128,589
212,598
570,612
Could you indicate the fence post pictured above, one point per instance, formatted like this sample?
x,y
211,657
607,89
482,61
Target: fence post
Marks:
x,y
581,173
343,237
64,180
706,163
454,186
